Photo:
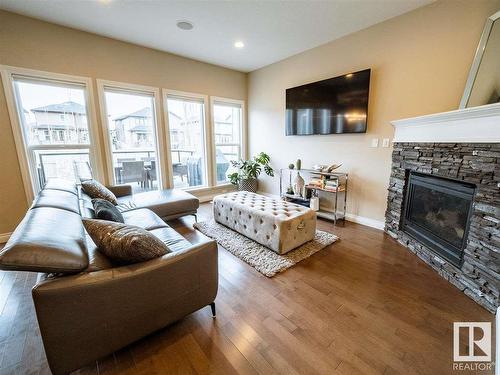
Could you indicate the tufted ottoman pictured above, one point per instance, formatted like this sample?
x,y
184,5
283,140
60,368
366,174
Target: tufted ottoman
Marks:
x,y
278,225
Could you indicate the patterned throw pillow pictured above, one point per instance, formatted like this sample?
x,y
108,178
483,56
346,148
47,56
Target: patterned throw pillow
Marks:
x,y
105,210
123,243
97,190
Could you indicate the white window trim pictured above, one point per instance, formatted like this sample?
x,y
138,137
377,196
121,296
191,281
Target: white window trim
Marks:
x,y
29,180
206,135
243,132
159,128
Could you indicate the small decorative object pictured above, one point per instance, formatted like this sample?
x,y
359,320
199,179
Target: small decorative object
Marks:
x,y
314,203
291,166
298,164
249,170
298,185
332,167
318,167
289,190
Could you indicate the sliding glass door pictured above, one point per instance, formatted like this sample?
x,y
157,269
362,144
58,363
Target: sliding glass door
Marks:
x,y
132,134
54,120
186,123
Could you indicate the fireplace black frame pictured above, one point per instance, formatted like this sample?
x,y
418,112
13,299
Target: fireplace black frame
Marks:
x,y
438,245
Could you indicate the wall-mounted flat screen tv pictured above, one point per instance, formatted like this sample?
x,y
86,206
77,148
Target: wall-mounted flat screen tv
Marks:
x,y
332,106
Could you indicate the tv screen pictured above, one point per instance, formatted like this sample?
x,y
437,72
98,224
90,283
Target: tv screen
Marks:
x,y
332,106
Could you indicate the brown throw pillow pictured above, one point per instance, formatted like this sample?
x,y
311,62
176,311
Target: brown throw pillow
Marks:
x,y
124,243
97,190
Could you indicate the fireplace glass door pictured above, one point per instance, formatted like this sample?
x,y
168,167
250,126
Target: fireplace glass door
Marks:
x,y
437,213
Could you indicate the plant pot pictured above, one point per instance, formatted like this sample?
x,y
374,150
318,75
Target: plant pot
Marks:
x,y
248,184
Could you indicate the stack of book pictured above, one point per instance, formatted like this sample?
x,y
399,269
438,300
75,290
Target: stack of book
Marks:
x,y
316,183
330,185
324,184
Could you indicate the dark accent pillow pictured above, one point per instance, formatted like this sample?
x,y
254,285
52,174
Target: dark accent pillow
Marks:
x,y
105,210
123,243
97,190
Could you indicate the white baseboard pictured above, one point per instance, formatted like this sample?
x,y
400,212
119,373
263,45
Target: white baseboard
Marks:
x,y
349,217
4,237
366,221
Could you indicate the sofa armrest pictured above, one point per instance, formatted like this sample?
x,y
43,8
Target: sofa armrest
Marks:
x,y
87,316
121,190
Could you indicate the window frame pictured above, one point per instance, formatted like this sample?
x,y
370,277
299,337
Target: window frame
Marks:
x,y
166,93
24,150
243,133
129,88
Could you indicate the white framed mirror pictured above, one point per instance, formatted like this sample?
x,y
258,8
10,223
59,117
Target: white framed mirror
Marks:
x,y
483,83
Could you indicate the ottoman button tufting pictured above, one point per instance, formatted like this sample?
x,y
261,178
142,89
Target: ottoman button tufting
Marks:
x,y
269,221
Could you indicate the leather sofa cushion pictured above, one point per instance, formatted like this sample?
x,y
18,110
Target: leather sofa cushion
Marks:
x,y
143,218
97,260
60,184
87,209
173,240
164,203
57,199
49,240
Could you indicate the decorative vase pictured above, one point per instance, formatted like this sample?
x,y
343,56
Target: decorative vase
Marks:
x,y
298,164
314,203
248,184
298,185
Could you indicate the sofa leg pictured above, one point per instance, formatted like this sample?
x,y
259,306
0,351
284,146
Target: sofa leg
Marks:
x,y
195,218
212,306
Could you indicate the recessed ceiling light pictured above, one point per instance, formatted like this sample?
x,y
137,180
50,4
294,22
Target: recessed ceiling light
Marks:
x,y
348,75
185,25
239,44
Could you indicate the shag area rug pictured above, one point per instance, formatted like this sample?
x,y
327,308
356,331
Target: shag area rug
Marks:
x,y
258,256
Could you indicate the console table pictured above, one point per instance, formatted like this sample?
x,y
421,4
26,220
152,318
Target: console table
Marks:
x,y
332,202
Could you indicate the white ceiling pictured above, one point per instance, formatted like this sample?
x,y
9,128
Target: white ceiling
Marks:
x,y
271,30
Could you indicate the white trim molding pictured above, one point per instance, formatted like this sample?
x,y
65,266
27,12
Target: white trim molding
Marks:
x,y
207,144
366,221
243,129
132,89
22,148
469,125
4,237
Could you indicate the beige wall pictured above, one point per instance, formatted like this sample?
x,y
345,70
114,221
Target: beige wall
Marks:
x,y
29,43
419,63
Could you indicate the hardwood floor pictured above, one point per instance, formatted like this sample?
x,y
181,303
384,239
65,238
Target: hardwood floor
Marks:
x,y
362,305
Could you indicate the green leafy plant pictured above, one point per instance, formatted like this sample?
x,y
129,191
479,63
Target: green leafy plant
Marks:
x,y
249,169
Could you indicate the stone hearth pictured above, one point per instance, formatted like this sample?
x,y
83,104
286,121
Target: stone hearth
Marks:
x,y
476,163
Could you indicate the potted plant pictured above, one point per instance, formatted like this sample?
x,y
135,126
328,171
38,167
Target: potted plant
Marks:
x,y
248,171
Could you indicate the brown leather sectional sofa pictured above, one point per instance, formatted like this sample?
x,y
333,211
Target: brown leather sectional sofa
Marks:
x,y
86,307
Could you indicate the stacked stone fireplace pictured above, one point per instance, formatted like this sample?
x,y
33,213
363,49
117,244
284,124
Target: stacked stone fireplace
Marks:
x,y
451,220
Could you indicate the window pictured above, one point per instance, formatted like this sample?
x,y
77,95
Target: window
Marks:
x,y
186,123
228,127
132,133
54,148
